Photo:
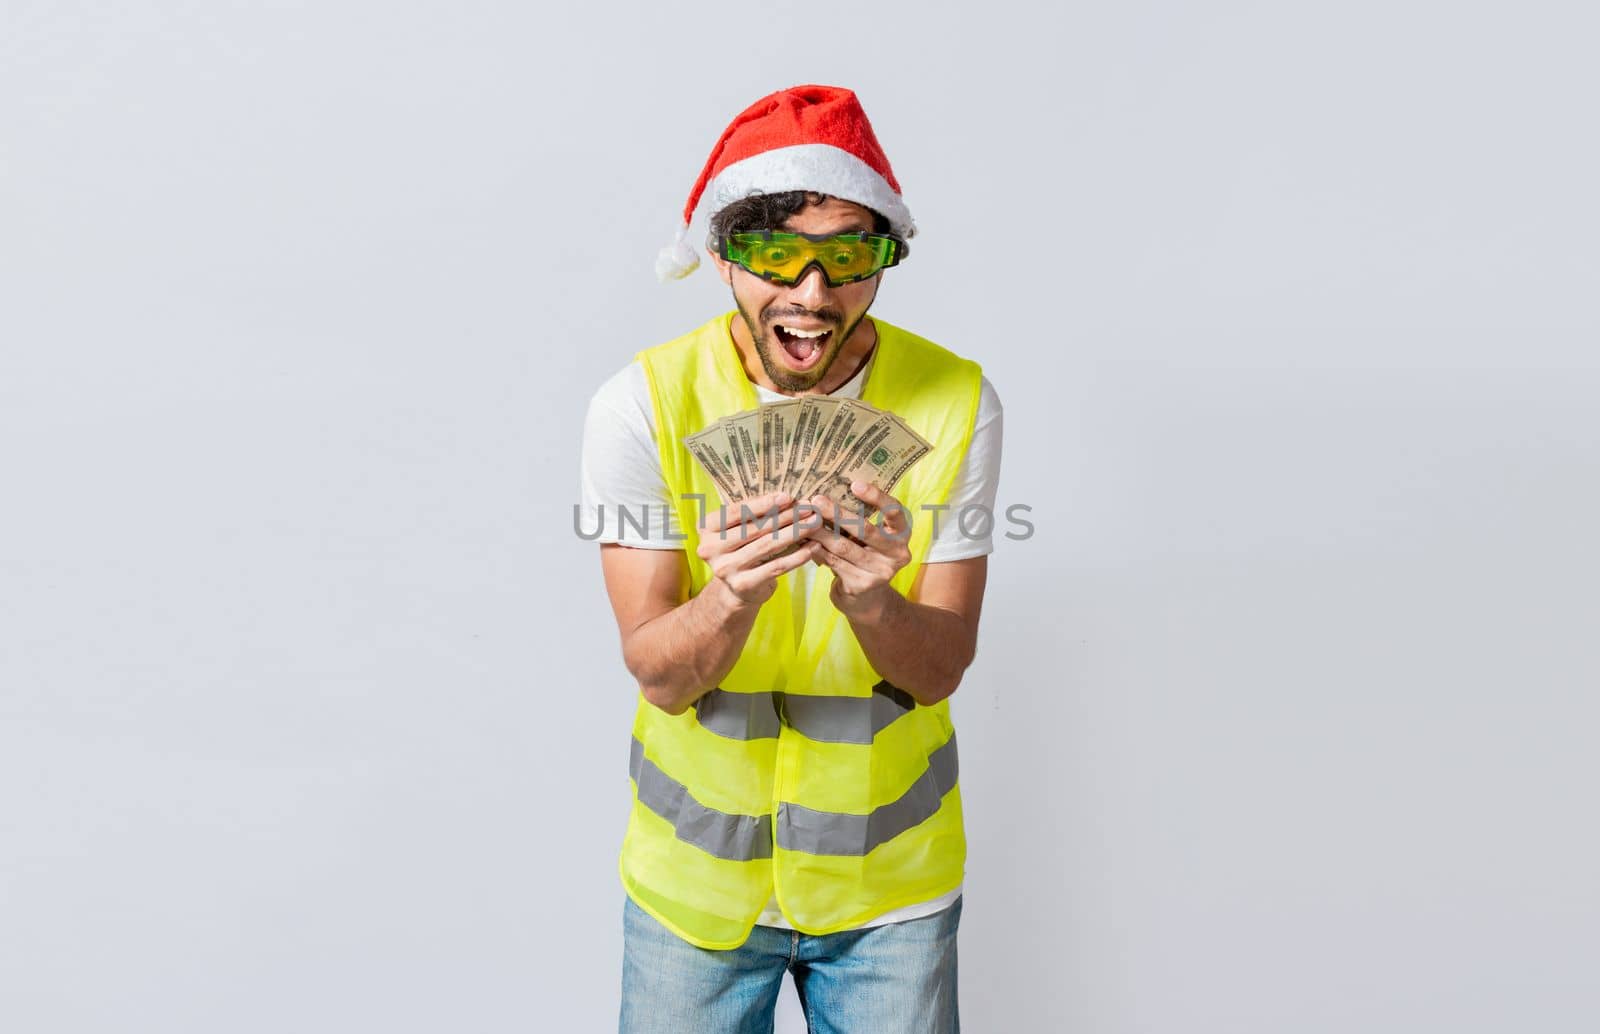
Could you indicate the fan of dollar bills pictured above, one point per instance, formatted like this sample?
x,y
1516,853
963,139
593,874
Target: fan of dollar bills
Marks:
x,y
808,446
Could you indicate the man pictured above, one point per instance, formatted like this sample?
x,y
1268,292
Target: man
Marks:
x,y
793,763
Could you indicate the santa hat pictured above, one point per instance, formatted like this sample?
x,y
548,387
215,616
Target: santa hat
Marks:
x,y
813,138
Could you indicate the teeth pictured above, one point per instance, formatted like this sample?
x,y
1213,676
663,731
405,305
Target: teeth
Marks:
x,y
803,333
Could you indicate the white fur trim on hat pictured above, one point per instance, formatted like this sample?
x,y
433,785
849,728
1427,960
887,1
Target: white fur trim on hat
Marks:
x,y
818,167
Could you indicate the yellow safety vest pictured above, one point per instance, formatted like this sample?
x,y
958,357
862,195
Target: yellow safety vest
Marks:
x,y
803,772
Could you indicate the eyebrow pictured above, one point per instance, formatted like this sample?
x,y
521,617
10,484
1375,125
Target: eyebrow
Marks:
x,y
851,226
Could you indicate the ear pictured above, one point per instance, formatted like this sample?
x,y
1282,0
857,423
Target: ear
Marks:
x,y
724,267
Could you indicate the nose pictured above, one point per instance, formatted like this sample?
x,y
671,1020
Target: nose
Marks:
x,y
811,290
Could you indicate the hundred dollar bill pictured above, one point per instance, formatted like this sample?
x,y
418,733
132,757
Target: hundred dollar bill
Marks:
x,y
880,456
777,429
709,446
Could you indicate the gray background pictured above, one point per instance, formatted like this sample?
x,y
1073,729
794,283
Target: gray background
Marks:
x,y
312,715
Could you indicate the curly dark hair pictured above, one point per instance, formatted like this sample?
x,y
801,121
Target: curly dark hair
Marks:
x,y
769,211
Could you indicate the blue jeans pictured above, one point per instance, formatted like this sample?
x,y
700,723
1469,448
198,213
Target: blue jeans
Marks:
x,y
899,977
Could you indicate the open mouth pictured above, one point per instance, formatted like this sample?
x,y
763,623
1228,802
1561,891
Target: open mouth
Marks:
x,y
803,345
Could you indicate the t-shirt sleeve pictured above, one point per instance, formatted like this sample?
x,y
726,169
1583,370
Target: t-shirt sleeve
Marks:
x,y
966,529
622,491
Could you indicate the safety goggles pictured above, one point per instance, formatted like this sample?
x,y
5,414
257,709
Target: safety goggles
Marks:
x,y
783,257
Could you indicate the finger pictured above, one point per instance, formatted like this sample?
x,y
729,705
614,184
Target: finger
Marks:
x,y
715,543
867,492
752,552
896,521
880,557
744,581
778,565
807,515
846,549
750,519
843,522
893,521
730,514
845,573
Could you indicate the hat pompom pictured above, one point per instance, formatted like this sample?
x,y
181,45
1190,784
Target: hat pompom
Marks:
x,y
677,260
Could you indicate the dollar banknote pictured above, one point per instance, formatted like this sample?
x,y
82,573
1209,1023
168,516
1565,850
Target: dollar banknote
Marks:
x,y
834,439
744,447
879,456
777,430
709,447
812,416
813,445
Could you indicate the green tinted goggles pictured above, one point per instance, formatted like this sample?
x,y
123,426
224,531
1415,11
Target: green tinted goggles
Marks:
x,y
783,257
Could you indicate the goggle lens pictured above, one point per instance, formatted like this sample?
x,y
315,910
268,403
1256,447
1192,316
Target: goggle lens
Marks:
x,y
783,257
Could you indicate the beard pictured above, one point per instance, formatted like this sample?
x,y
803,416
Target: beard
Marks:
x,y
769,349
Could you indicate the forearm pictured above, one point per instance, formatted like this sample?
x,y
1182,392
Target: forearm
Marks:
x,y
921,649
680,655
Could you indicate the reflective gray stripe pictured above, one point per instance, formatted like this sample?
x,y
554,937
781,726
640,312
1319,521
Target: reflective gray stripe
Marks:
x,y
841,833
738,838
738,716
846,719
826,719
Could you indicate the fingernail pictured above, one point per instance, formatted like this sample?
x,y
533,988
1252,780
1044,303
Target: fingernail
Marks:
x,y
782,498
858,487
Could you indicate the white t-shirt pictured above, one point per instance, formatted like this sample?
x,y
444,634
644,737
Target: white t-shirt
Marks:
x,y
624,490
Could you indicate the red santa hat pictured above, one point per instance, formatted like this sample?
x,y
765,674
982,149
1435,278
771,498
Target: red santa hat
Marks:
x,y
813,138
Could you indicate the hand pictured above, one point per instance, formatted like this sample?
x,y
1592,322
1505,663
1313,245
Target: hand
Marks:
x,y
863,563
738,540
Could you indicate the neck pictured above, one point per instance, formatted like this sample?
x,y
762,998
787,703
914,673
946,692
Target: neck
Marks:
x,y
844,366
